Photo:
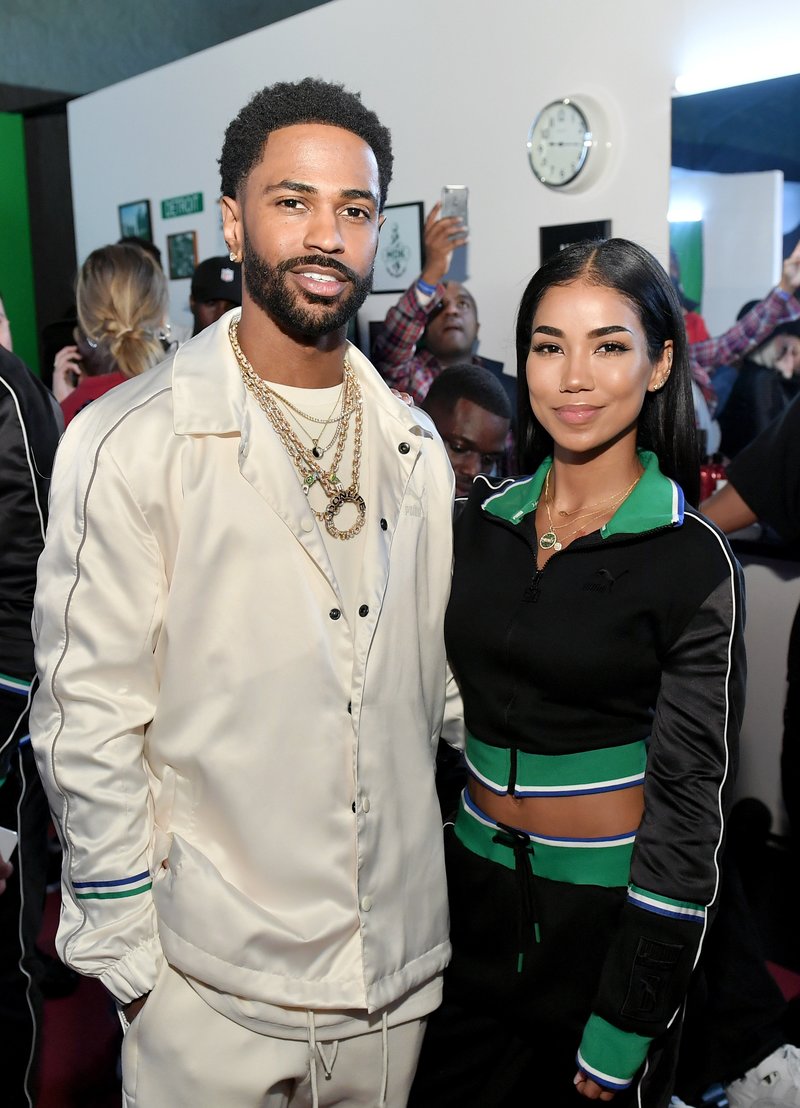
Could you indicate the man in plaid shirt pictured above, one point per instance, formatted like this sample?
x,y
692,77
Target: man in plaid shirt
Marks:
x,y
779,306
444,313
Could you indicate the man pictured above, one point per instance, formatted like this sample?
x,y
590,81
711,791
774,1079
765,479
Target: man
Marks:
x,y
472,413
30,424
753,326
443,315
240,614
216,288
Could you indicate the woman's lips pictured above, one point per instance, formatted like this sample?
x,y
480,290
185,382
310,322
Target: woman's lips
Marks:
x,y
576,413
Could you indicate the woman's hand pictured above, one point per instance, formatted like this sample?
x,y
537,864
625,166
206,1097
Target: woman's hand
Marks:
x,y
67,371
590,1089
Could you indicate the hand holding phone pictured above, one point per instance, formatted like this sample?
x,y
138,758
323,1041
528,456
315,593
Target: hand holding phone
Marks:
x,y
454,203
445,229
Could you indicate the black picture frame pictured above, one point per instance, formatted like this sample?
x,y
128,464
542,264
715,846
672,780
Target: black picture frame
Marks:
x,y
399,259
552,240
182,254
135,221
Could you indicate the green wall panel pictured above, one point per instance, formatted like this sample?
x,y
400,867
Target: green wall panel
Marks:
x,y
16,265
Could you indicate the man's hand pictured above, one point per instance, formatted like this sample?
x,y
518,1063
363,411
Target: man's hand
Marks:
x,y
590,1089
441,237
790,277
66,372
6,869
132,1010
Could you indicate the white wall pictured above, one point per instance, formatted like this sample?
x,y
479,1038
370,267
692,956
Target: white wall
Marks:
x,y
742,237
458,82
773,594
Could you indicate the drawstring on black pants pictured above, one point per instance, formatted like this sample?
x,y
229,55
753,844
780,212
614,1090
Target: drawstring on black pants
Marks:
x,y
528,920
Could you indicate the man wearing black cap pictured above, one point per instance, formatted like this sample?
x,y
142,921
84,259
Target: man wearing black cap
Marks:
x,y
216,288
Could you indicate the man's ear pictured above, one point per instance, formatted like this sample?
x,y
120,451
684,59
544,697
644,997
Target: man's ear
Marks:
x,y
232,226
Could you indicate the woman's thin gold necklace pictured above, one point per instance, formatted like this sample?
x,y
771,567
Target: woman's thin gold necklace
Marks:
x,y
306,464
551,541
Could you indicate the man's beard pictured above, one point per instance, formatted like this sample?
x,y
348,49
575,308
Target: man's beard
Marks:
x,y
267,286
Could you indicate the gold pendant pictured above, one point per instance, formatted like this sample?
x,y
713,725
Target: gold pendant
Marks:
x,y
345,497
549,541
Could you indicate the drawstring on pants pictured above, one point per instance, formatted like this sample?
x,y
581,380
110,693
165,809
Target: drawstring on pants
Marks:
x,y
329,1060
528,920
384,1058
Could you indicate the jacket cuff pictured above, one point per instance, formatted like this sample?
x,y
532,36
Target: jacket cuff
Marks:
x,y
135,974
610,1056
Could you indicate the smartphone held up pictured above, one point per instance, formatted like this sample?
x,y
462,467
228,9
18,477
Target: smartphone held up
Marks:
x,y
454,203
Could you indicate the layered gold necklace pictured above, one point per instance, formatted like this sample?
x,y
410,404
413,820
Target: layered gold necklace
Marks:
x,y
607,506
307,461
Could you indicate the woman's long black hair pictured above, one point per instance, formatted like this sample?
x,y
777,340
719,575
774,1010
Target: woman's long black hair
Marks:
x,y
667,420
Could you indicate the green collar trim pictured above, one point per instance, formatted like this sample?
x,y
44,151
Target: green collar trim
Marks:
x,y
655,502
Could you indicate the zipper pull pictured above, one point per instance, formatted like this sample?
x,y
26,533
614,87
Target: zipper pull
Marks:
x,y
531,594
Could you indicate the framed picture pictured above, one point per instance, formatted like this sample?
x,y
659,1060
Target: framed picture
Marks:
x,y
134,219
182,252
399,258
553,239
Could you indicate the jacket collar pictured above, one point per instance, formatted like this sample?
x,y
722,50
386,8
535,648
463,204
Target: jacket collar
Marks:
x,y
210,397
655,502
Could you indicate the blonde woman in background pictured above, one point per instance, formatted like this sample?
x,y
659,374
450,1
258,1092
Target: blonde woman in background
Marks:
x,y
122,304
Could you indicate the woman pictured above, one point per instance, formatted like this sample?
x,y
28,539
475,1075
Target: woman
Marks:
x,y
594,628
765,386
122,306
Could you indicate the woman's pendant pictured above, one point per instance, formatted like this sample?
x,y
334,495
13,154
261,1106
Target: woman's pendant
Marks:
x,y
315,450
549,541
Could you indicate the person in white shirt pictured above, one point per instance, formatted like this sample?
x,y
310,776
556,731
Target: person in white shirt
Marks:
x,y
240,647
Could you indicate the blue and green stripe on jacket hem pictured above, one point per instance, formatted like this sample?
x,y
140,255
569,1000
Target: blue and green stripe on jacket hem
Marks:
x,y
113,890
545,775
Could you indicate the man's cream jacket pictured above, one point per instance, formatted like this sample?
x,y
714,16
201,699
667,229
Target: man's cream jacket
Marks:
x,y
242,773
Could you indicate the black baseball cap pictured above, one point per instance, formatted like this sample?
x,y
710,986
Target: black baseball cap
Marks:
x,y
218,279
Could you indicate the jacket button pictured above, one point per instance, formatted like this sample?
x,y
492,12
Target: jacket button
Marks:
x,y
366,903
404,448
334,613
364,610
307,524
365,804
384,525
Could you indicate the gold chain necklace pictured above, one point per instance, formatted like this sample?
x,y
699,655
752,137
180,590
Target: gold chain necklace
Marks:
x,y
305,463
551,541
317,450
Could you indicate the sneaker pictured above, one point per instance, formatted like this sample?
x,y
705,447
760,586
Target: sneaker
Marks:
x,y
773,1083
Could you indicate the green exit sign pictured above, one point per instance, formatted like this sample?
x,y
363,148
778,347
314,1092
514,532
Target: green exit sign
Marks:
x,y
189,204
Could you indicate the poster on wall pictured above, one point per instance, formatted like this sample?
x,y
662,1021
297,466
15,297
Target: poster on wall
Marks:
x,y
134,220
399,258
182,253
554,239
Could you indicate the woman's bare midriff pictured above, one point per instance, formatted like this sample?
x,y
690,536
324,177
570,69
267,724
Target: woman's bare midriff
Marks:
x,y
596,816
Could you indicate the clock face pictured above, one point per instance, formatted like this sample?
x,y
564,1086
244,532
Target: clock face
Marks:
x,y
559,143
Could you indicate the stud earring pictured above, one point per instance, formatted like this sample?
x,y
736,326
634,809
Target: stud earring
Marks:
x,y
234,257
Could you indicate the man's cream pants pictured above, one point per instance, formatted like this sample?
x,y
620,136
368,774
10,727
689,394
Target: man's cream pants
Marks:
x,y
180,1053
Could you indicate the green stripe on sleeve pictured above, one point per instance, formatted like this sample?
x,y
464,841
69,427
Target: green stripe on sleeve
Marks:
x,y
610,1051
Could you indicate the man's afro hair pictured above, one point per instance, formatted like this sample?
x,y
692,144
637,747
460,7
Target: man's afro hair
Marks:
x,y
287,103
